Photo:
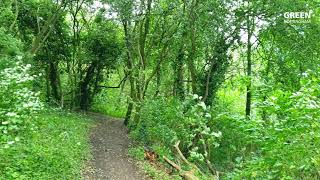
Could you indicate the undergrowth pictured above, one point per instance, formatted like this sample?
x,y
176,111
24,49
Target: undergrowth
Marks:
x,y
110,102
53,146
151,170
280,142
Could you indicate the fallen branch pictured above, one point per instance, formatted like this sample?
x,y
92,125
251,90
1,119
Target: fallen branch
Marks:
x,y
174,165
176,146
187,175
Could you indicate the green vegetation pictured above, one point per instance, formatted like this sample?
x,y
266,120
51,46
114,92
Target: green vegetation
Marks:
x,y
103,101
226,89
152,171
157,174
53,146
137,153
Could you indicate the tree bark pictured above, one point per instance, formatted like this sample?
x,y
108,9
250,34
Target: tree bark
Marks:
x,y
130,72
84,87
54,81
249,66
178,89
193,50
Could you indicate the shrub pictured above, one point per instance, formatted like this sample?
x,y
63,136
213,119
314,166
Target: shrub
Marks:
x,y
17,100
164,121
288,143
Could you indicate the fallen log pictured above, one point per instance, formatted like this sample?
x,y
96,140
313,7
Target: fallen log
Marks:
x,y
189,175
186,175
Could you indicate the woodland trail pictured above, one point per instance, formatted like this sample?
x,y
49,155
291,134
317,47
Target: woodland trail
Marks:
x,y
109,142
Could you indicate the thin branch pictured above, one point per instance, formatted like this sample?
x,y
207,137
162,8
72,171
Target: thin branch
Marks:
x,y
119,85
174,165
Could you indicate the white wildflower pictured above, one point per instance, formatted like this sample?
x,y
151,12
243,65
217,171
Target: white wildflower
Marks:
x,y
203,105
11,114
207,115
218,134
305,74
11,142
195,96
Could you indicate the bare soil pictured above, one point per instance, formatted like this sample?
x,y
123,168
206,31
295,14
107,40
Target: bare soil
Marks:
x,y
109,142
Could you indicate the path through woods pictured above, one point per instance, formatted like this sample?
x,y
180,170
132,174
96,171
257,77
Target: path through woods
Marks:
x,y
109,142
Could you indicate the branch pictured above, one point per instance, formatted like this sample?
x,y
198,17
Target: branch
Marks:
x,y
45,32
123,80
156,69
176,146
174,165
187,175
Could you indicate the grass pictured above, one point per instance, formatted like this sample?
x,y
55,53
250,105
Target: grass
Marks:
x,y
55,146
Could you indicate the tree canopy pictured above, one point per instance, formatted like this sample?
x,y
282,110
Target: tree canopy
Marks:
x,y
233,84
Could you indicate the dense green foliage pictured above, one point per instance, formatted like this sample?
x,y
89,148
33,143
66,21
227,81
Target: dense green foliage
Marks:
x,y
235,82
54,146
17,100
284,146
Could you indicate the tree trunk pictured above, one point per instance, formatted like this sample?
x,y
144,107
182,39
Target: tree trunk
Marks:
x,y
130,73
48,84
54,81
85,88
249,65
178,68
158,75
193,50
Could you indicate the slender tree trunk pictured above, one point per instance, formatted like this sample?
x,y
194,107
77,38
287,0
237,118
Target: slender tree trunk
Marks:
x,y
207,94
128,114
54,81
191,58
138,85
158,75
46,30
48,84
130,72
178,89
61,96
249,65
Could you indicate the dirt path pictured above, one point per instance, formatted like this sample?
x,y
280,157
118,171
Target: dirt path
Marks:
x,y
110,160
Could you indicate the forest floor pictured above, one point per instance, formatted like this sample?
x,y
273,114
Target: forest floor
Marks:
x,y
109,146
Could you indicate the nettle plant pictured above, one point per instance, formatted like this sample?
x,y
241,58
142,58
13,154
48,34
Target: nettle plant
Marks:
x,y
17,101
